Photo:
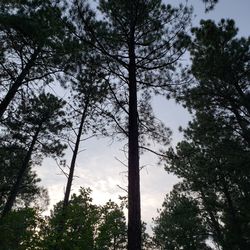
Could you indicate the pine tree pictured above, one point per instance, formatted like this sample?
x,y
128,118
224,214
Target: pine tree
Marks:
x,y
34,43
35,125
141,42
180,224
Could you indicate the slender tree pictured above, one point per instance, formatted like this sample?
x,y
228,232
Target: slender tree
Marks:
x,y
88,92
30,192
38,120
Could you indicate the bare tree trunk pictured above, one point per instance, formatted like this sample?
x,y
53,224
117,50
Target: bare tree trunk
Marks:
x,y
73,160
14,191
134,207
61,224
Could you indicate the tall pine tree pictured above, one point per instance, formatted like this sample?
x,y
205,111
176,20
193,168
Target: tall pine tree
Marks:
x,y
141,42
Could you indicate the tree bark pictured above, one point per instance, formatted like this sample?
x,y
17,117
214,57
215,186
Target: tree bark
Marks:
x,y
14,191
61,224
17,83
73,160
134,207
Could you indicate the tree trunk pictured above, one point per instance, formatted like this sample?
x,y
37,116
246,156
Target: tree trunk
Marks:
x,y
73,160
134,207
14,191
60,228
17,83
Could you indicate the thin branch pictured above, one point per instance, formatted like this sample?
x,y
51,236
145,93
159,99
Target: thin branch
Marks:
x,y
121,162
125,190
152,151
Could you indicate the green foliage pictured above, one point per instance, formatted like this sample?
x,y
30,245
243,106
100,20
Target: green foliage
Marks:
x,y
24,17
35,45
86,226
89,88
156,28
220,65
39,117
43,114
213,159
80,221
179,224
209,4
30,193
214,167
19,230
111,232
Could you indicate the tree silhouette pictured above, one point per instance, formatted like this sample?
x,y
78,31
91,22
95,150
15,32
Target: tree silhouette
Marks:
x,y
141,42
35,123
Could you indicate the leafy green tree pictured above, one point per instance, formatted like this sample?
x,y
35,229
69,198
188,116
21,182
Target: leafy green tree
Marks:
x,y
179,224
19,230
34,42
35,125
80,224
112,229
140,42
86,226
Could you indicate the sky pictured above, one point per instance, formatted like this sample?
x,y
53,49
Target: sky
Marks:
x,y
97,166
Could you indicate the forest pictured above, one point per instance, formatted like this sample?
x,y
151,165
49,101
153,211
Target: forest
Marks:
x,y
112,57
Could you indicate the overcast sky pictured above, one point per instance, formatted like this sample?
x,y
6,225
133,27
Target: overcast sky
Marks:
x,y
97,166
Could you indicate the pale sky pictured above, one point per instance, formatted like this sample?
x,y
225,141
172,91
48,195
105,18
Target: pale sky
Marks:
x,y
97,166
